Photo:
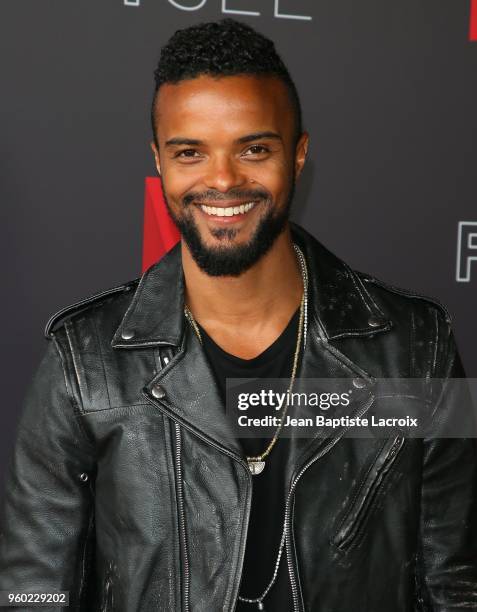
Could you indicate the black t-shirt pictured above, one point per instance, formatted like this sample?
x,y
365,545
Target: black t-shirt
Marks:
x,y
268,496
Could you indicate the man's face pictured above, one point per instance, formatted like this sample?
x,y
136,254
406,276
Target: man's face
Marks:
x,y
228,163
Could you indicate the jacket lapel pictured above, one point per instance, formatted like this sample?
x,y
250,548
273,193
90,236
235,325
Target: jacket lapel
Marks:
x,y
155,314
189,395
324,369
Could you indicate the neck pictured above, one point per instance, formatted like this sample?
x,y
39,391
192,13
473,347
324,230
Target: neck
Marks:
x,y
250,309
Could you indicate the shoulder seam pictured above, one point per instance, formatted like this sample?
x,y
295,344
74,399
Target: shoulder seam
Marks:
x,y
68,388
60,314
407,293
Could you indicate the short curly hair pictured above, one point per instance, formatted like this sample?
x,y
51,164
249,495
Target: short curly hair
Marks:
x,y
221,48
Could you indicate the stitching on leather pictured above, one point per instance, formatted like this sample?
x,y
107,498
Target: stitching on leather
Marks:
x,y
101,356
363,292
357,331
132,306
92,299
77,411
407,293
373,301
69,390
353,280
71,341
86,413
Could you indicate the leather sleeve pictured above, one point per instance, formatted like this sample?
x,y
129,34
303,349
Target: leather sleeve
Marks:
x,y
448,563
47,516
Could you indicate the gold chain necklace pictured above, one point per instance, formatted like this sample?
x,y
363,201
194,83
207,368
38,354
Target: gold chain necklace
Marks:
x,y
256,464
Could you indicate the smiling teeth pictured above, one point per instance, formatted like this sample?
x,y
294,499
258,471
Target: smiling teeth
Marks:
x,y
229,211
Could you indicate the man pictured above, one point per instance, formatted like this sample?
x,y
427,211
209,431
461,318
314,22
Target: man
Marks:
x,y
127,487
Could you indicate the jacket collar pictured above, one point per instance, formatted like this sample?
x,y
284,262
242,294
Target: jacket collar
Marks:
x,y
338,300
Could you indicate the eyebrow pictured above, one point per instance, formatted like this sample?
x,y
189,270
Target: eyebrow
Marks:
x,y
243,139
258,136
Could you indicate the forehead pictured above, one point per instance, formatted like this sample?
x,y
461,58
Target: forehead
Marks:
x,y
227,105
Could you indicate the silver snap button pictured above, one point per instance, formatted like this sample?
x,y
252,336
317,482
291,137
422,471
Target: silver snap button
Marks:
x,y
359,383
127,334
83,477
158,392
374,321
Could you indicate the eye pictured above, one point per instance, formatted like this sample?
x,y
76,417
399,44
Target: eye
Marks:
x,y
186,153
257,149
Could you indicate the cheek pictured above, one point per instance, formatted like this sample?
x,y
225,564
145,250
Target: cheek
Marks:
x,y
274,175
178,182
277,184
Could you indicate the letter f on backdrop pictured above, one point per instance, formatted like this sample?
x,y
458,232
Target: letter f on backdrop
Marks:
x,y
466,249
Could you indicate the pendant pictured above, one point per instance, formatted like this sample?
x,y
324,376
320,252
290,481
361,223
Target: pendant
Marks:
x,y
256,467
260,604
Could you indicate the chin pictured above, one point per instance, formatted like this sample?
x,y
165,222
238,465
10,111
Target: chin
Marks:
x,y
232,257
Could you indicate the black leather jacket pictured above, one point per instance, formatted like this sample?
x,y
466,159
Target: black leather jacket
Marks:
x,y
126,489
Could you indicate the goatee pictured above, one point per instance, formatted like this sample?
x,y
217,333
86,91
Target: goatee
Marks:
x,y
232,260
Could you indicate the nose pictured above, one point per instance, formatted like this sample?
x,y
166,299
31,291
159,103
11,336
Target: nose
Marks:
x,y
223,173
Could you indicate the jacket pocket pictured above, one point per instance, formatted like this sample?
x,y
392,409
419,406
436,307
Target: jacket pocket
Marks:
x,y
352,523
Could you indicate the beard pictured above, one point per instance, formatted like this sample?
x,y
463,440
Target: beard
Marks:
x,y
232,260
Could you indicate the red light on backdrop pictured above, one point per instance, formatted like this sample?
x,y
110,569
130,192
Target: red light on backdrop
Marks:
x,y
473,20
160,231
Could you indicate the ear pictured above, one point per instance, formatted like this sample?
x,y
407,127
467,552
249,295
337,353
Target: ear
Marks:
x,y
156,157
300,153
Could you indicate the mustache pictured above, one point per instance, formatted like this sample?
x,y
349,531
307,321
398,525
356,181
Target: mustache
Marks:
x,y
233,194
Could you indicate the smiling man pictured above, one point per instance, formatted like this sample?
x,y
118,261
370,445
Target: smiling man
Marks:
x,y
130,487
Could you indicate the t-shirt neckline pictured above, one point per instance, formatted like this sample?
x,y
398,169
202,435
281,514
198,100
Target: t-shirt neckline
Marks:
x,y
267,355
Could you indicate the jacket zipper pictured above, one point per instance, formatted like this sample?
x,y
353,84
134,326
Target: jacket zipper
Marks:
x,y
288,525
388,460
236,458
180,502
